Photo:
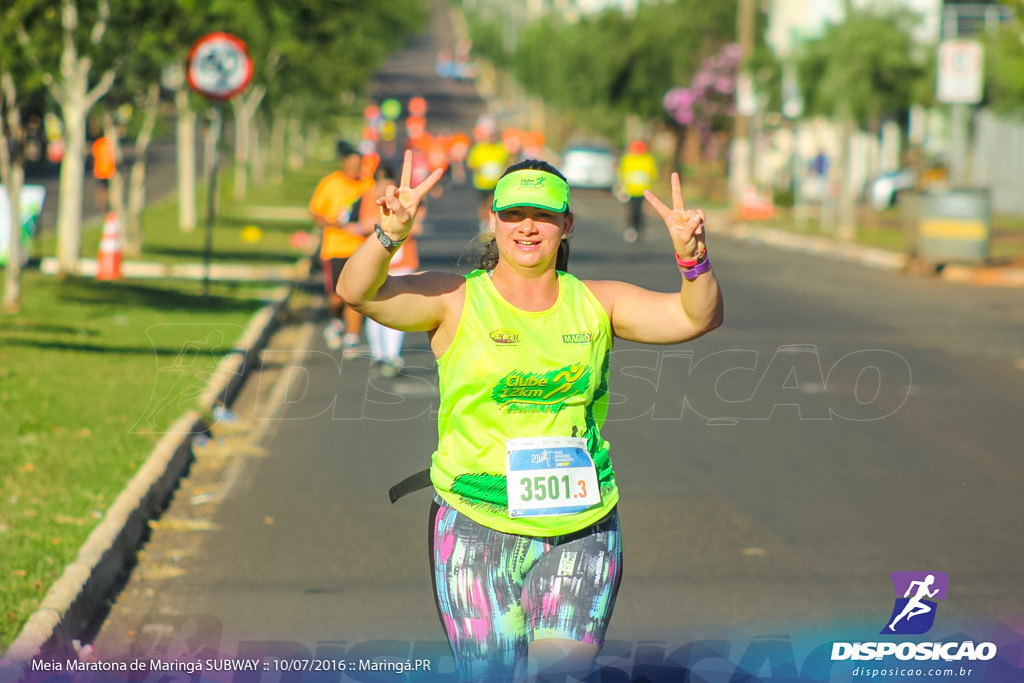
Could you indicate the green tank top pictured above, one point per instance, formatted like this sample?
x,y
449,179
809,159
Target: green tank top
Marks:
x,y
512,374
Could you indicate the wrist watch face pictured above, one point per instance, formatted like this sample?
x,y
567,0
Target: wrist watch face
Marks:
x,y
384,239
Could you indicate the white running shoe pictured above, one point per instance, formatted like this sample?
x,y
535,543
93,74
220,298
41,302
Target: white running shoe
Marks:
x,y
353,347
333,334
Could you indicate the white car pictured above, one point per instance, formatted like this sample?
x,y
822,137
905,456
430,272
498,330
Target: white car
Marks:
x,y
887,186
589,166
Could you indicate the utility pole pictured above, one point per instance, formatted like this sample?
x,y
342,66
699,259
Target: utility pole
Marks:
x,y
741,155
842,119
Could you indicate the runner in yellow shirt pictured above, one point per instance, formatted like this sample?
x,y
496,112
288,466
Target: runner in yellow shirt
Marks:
x,y
487,161
637,172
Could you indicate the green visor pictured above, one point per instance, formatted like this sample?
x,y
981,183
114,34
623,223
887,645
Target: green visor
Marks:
x,y
529,187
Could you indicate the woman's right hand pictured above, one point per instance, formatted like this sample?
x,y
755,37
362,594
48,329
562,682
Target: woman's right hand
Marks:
x,y
685,227
399,205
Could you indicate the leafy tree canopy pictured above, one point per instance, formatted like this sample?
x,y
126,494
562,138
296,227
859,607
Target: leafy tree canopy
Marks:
x,y
1004,76
869,63
606,66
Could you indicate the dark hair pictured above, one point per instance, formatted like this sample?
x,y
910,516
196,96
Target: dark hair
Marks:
x,y
346,148
385,172
485,253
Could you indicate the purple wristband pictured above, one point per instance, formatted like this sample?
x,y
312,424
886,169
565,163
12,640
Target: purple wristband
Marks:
x,y
692,273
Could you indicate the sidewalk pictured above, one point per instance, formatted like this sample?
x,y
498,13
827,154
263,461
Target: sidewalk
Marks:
x,y
979,275
219,272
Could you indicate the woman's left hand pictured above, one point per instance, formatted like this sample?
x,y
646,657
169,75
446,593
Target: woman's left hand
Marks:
x,y
685,227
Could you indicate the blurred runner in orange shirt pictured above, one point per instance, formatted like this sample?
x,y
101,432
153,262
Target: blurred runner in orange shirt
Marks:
x,y
334,208
103,169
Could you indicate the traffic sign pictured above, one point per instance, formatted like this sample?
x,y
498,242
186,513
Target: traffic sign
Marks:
x,y
961,66
219,66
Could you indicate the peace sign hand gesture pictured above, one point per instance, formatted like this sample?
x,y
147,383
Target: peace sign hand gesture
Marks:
x,y
685,227
398,205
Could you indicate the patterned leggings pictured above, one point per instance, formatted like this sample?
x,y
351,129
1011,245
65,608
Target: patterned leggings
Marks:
x,y
498,592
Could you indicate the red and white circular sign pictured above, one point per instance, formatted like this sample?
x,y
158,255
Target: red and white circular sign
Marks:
x,y
219,66
961,71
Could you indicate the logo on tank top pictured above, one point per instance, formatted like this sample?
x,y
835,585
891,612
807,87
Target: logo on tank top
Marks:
x,y
504,337
578,338
532,392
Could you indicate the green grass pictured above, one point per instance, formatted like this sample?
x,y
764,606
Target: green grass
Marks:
x,y
91,374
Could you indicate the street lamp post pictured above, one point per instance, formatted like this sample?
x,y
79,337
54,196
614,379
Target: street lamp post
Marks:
x,y
741,153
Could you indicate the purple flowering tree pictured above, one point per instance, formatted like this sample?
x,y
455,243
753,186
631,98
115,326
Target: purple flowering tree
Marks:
x,y
708,104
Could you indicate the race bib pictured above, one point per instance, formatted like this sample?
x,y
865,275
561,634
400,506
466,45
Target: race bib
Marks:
x,y
550,476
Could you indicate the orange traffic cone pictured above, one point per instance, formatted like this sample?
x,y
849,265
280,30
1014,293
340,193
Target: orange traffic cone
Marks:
x,y
110,249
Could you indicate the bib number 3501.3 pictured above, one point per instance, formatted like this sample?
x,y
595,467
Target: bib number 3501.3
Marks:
x,y
550,476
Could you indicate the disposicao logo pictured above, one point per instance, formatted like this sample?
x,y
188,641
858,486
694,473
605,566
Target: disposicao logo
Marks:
x,y
913,613
916,595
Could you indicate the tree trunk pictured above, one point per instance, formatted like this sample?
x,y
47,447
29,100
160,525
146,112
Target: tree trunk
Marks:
x,y
258,161
309,138
12,175
277,138
69,201
75,99
186,126
14,180
134,237
244,107
296,148
116,200
846,207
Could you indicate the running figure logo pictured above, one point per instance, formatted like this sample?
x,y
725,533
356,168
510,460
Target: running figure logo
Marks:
x,y
914,612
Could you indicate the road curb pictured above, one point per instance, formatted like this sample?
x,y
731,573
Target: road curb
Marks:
x,y
220,272
985,276
74,602
822,246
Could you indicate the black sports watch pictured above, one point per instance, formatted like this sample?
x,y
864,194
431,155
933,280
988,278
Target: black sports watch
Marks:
x,y
384,239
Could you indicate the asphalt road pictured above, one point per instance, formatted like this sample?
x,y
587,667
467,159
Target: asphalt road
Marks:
x,y
844,424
